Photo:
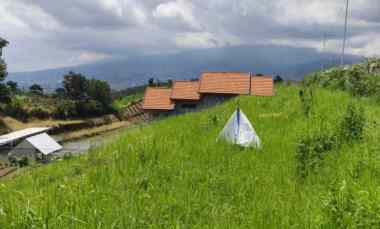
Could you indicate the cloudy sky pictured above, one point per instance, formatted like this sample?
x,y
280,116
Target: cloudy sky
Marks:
x,y
48,33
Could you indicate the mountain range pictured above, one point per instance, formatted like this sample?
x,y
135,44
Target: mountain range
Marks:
x,y
289,62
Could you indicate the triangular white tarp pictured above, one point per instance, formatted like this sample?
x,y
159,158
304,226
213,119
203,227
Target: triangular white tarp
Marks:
x,y
240,131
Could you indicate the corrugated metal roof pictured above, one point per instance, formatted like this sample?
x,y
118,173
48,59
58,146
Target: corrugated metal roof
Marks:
x,y
186,90
225,83
21,134
158,99
44,143
262,86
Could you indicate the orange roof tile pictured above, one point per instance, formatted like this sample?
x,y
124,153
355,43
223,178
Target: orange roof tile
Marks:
x,y
158,99
262,86
225,83
185,90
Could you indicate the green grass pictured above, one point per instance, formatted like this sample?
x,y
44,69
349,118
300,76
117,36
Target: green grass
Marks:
x,y
174,174
120,104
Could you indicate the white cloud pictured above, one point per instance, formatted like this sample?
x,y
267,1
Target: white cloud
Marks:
x,y
177,10
308,12
204,40
125,10
88,57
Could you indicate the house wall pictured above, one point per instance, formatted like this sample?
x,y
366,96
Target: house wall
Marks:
x,y
210,100
183,106
159,113
24,149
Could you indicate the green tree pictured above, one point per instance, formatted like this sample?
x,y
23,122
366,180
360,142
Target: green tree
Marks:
x,y
4,91
4,94
100,91
13,86
60,92
151,82
75,85
90,107
3,65
36,89
278,79
3,70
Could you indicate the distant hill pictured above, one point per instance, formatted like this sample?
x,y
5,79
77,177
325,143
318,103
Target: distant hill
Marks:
x,y
289,62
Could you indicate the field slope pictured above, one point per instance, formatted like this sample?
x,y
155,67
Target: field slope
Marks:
x,y
174,174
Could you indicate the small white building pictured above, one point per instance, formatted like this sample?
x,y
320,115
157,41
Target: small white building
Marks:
x,y
33,143
36,147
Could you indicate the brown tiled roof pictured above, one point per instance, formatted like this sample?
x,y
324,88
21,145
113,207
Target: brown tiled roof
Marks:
x,y
262,86
158,99
225,83
186,90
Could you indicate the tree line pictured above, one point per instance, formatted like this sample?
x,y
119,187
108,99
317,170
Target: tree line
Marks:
x,y
78,97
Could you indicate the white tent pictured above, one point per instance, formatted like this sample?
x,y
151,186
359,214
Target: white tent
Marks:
x,y
240,131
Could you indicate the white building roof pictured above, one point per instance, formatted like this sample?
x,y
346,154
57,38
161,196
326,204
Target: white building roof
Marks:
x,y
21,134
44,143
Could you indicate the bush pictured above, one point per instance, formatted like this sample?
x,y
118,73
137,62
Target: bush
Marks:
x,y
20,162
352,126
357,80
40,113
311,151
15,109
306,97
65,109
23,162
278,79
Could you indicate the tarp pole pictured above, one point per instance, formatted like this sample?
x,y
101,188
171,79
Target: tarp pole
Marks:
x,y
238,124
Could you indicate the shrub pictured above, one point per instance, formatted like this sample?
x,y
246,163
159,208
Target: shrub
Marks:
x,y
40,113
65,109
352,126
311,151
306,97
278,79
15,109
23,162
20,162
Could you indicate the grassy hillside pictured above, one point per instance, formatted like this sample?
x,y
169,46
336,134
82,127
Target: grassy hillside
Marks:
x,y
173,174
